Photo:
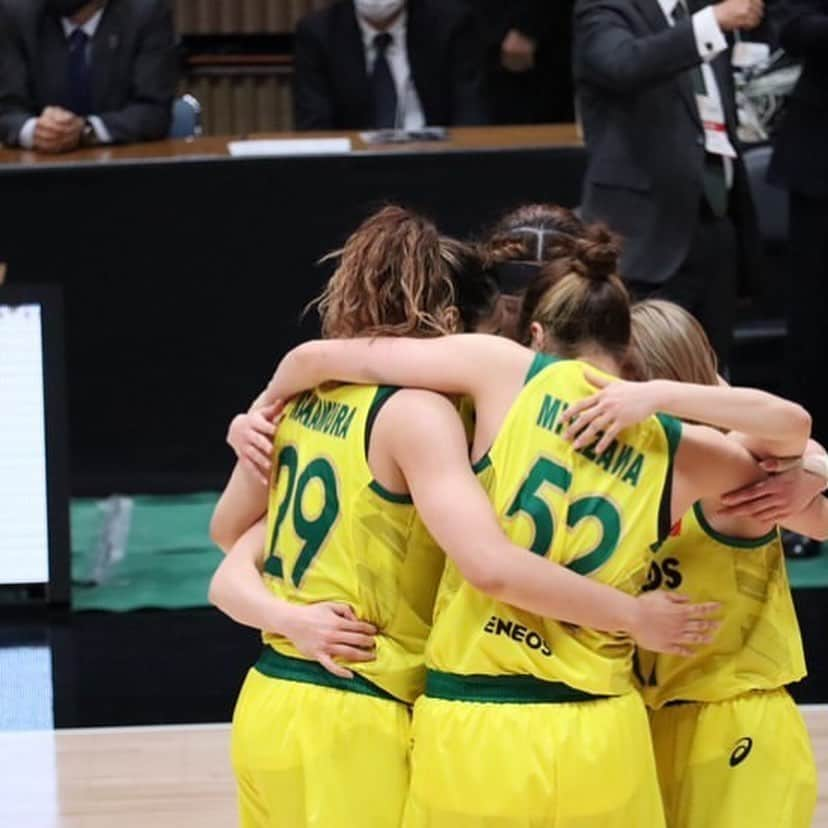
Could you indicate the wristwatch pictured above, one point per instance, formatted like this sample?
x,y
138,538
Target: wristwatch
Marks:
x,y
89,138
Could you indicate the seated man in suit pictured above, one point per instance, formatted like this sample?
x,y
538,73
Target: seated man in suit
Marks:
x,y
385,64
84,72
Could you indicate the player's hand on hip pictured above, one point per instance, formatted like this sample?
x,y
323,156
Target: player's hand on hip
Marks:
x,y
329,631
251,436
669,623
617,405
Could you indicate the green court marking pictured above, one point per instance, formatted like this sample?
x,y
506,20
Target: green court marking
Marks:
x,y
168,558
166,562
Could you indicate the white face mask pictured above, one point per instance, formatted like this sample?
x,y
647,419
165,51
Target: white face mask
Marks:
x,y
378,11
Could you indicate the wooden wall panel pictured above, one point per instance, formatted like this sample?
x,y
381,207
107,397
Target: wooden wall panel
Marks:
x,y
242,103
242,16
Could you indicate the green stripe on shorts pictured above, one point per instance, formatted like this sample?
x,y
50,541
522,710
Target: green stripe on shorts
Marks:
x,y
509,689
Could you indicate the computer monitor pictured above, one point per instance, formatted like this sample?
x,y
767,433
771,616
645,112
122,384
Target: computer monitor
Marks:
x,y
34,496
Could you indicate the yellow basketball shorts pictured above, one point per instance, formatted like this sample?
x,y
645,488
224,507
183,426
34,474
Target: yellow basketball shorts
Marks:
x,y
586,764
318,757
730,764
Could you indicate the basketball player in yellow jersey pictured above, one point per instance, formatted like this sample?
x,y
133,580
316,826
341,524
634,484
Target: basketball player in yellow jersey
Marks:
x,y
731,747
325,745
526,721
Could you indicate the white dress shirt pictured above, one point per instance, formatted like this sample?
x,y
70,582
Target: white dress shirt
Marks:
x,y
710,42
90,27
409,109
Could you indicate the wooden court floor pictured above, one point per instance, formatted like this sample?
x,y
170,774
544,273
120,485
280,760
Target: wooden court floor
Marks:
x,y
164,777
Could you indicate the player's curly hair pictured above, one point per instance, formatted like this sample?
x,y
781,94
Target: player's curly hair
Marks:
x,y
475,290
392,279
580,300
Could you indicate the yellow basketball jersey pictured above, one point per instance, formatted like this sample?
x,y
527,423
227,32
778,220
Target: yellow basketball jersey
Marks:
x,y
757,647
334,534
588,512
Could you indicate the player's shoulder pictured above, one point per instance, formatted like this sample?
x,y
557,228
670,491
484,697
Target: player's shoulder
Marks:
x,y
419,405
417,416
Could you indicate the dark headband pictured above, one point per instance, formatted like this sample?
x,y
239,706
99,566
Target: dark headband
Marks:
x,y
540,234
514,277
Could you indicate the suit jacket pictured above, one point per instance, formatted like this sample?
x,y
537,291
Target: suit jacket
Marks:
x,y
644,135
332,88
133,63
800,160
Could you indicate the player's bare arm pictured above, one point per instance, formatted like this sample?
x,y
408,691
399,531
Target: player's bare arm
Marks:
x,y
426,439
789,489
774,427
322,632
708,464
488,369
244,499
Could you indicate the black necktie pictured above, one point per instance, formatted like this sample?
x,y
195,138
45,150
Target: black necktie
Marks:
x,y
79,81
385,92
715,182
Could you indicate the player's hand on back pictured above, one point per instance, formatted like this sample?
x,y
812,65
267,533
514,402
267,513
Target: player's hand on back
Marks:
x,y
618,404
250,435
668,623
777,498
327,631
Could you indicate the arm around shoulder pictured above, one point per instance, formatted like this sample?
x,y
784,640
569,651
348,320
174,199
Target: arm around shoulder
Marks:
x,y
462,364
428,443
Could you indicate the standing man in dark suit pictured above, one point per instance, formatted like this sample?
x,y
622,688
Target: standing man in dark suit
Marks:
x,y
655,90
79,73
385,64
800,163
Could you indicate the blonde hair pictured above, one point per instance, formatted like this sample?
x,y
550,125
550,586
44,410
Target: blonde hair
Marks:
x,y
579,299
669,343
394,278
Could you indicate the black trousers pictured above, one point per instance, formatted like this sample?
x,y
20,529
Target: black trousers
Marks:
x,y
807,347
706,284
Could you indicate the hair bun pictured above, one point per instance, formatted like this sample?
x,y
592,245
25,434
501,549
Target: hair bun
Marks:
x,y
599,250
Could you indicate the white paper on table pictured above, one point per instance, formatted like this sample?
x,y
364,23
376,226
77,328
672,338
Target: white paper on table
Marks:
x,y
289,146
